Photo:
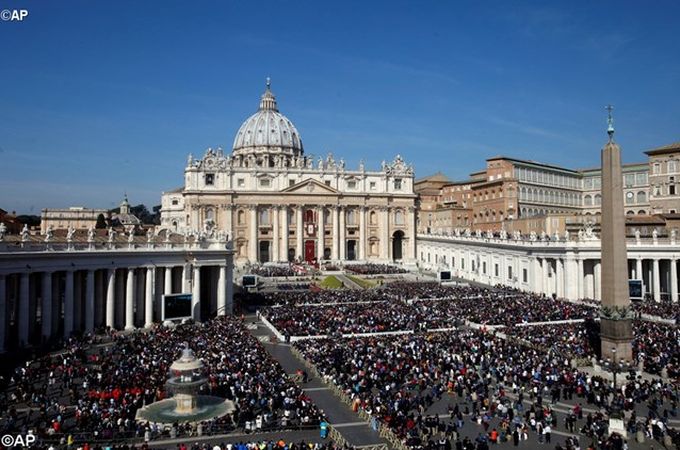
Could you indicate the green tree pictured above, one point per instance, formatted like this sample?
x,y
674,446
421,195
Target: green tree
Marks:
x,y
101,222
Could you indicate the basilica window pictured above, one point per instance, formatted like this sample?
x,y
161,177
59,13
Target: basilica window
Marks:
x,y
641,178
672,166
241,182
351,217
372,185
264,217
399,217
265,182
373,218
397,184
241,217
175,202
351,184
209,179
597,199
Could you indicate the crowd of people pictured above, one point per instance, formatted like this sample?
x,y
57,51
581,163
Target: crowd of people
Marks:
x,y
96,392
667,310
386,309
275,271
375,269
481,377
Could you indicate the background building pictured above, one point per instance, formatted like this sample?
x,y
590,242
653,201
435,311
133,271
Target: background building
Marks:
x,y
77,217
279,204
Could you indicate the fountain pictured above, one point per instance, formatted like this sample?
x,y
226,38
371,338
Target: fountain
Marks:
x,y
186,404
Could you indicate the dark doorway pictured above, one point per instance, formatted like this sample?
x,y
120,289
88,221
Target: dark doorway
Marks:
x,y
397,244
264,251
351,250
310,254
291,254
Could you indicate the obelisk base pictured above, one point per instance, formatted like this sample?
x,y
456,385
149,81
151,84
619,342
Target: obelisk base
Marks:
x,y
616,335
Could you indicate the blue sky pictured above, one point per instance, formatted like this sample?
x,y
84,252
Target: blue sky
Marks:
x,y
102,98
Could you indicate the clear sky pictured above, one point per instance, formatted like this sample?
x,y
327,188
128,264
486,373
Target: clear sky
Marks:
x,y
105,97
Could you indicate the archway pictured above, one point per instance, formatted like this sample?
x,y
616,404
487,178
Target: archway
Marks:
x,y
264,251
397,244
351,250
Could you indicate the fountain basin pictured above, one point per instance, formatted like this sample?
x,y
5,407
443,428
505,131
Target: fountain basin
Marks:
x,y
165,411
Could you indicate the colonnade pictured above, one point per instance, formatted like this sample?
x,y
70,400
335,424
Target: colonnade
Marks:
x,y
50,292
567,270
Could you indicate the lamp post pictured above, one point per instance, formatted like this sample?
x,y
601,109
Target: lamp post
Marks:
x,y
616,424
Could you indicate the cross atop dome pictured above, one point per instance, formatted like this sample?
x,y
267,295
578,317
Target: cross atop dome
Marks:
x,y
268,101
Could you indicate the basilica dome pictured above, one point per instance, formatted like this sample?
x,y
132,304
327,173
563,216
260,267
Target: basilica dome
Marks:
x,y
268,131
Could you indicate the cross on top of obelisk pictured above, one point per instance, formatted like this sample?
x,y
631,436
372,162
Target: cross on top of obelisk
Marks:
x,y
610,122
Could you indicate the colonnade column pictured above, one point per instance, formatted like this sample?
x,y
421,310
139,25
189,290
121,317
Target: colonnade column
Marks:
x,y
657,280
336,235
597,280
341,235
580,278
546,285
130,300
150,281
24,308
275,234
362,233
638,269
320,235
221,291
3,311
196,294
68,304
46,304
283,216
110,298
167,281
674,280
186,274
252,242
299,232
559,278
89,301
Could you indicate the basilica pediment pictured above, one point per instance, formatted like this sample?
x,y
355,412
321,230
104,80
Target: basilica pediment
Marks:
x,y
310,186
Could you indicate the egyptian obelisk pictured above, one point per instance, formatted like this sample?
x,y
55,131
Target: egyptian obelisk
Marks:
x,y
616,330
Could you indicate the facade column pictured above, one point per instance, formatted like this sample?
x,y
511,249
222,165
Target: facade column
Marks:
x,y
46,305
342,234
252,242
283,218
546,271
167,281
229,220
320,235
336,235
597,280
276,240
78,304
196,297
411,233
68,304
362,233
674,280
230,285
186,274
89,301
3,311
657,280
384,229
580,279
110,299
24,307
221,291
149,283
299,233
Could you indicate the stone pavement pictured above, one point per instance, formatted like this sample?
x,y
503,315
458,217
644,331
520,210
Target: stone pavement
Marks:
x,y
350,426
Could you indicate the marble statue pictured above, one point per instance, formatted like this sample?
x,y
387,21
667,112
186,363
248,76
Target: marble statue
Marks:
x,y
655,234
556,236
566,235
69,235
532,236
362,166
342,164
167,235
49,234
190,160
149,235
489,234
25,233
90,234
320,164
112,234
131,237
504,234
517,235
673,235
3,230
544,235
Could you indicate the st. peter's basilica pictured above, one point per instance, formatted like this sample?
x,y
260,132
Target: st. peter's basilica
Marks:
x,y
278,204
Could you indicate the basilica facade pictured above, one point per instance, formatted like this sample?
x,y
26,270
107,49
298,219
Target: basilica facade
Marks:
x,y
278,204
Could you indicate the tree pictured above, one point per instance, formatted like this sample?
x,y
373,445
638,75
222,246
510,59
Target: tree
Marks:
x,y
101,222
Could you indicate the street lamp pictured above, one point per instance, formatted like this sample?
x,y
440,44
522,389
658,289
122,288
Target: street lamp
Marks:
x,y
616,424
